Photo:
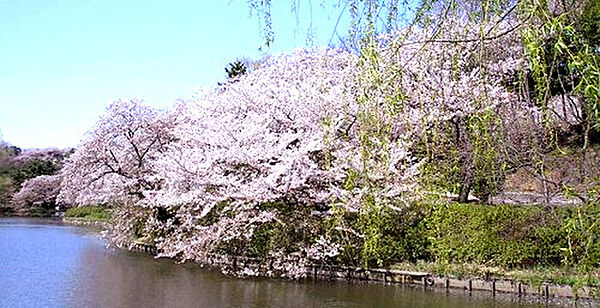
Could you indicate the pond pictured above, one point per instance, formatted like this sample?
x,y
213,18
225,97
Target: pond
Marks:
x,y
44,263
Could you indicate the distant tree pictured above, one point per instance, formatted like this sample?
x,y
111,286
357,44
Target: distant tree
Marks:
x,y
18,166
6,191
22,170
38,193
7,151
8,173
13,150
236,69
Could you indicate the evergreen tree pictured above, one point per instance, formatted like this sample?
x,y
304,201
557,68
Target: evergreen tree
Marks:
x,y
235,69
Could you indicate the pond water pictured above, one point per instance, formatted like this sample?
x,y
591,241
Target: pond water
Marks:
x,y
46,264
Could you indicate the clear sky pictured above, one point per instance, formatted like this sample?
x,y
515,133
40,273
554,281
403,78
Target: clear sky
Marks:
x,y
63,61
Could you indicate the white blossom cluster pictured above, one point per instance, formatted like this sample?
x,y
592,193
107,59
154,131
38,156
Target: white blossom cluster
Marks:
x,y
38,191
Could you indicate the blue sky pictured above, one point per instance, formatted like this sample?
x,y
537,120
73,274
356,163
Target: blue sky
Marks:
x,y
63,61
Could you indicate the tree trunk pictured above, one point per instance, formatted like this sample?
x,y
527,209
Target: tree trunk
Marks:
x,y
586,135
463,144
463,193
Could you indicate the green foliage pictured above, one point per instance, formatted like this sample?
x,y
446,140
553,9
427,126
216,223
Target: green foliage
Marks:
x,y
89,212
487,166
478,234
279,237
371,224
14,170
340,227
261,240
561,45
464,153
36,167
582,232
352,178
510,236
6,190
442,167
12,175
589,24
391,236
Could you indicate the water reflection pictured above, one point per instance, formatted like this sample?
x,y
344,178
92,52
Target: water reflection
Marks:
x,y
49,265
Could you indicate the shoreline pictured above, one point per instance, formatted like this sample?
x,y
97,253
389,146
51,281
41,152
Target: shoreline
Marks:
x,y
254,267
468,286
84,222
424,279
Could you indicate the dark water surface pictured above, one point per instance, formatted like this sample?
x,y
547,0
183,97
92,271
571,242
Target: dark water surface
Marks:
x,y
46,264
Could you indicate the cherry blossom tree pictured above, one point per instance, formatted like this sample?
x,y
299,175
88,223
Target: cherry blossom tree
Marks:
x,y
114,163
259,140
38,192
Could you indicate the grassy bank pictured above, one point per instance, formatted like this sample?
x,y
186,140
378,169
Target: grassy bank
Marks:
x,y
96,213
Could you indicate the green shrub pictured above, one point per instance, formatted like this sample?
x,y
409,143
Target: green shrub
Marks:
x,y
399,236
386,236
261,240
582,233
296,226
